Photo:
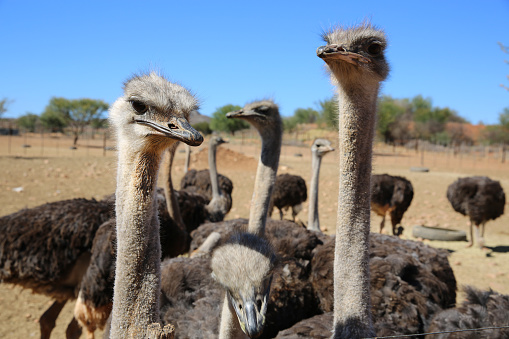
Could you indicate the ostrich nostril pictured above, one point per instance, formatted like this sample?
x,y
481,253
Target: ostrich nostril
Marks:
x,y
320,50
172,126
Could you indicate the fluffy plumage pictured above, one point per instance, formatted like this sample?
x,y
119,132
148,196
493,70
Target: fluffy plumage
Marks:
x,y
290,191
480,198
47,248
96,292
480,309
393,195
410,282
199,182
287,238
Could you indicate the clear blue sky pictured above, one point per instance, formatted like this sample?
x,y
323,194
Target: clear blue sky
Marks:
x,y
239,51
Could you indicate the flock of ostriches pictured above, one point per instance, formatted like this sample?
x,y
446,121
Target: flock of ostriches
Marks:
x,y
256,277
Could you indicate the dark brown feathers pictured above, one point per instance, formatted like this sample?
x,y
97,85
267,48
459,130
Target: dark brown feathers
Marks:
x,y
39,246
199,182
480,309
289,191
480,198
410,282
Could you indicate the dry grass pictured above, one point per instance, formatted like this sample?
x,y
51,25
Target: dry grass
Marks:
x,y
55,173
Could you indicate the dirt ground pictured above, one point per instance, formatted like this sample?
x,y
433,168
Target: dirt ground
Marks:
x,y
50,171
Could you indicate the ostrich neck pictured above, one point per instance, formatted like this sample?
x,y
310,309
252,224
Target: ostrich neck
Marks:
x,y
171,198
214,181
264,181
137,274
313,221
188,158
352,303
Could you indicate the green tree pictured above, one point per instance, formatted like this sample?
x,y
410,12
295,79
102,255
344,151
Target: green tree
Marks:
x,y
203,127
306,115
57,114
75,114
498,134
54,121
83,112
220,122
290,124
389,118
28,121
328,110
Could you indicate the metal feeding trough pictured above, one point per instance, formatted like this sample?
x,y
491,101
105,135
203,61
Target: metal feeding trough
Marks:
x,y
438,233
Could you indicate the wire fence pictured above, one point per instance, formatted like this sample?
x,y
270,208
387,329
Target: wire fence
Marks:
x,y
443,332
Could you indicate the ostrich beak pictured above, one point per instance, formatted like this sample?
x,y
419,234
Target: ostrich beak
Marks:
x,y
175,128
243,114
337,52
253,327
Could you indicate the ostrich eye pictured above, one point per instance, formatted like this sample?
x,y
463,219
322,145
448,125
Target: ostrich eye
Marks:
x,y
374,49
139,107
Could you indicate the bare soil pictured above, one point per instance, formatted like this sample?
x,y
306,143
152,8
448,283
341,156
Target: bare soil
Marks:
x,y
50,171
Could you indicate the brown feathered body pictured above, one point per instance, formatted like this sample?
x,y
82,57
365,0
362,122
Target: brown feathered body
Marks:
x,y
410,282
480,198
480,309
193,302
290,191
199,182
393,195
47,248
96,292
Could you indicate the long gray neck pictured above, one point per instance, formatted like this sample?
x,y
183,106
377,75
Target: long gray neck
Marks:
x,y
230,327
188,158
171,198
352,302
265,179
214,181
137,274
313,221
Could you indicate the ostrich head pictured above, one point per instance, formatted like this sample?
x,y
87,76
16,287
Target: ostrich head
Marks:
x,y
260,114
321,147
217,140
154,112
244,268
355,55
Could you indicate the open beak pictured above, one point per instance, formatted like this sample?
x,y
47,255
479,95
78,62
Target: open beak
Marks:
x,y
176,128
337,52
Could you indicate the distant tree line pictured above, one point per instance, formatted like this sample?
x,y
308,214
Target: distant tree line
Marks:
x,y
401,120
65,114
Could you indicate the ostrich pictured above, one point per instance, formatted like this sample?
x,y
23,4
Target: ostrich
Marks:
x,y
244,309
193,299
93,305
480,309
216,188
290,191
319,148
47,249
355,58
391,194
481,198
410,282
148,119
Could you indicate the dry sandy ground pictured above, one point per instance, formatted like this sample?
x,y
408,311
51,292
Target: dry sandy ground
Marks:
x,y
55,173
